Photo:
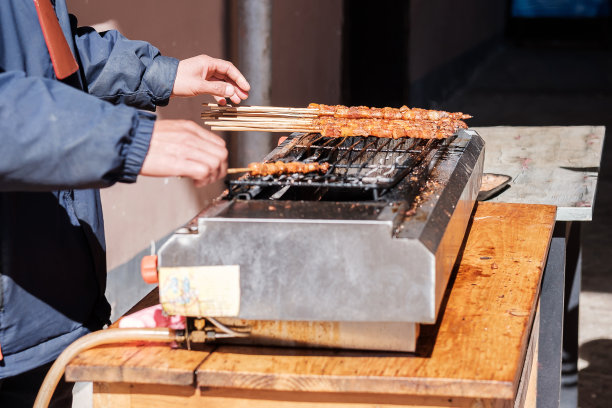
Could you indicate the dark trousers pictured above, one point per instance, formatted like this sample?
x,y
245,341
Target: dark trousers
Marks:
x,y
20,390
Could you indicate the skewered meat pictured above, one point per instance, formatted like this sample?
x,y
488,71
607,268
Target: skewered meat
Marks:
x,y
279,167
341,121
403,113
340,127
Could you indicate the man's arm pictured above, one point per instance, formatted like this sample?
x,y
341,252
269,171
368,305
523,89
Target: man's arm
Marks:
x,y
53,136
125,71
120,70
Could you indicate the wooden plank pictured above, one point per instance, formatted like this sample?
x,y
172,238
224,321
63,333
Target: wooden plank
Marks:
x,y
476,349
150,396
554,165
143,363
107,395
528,385
532,387
125,395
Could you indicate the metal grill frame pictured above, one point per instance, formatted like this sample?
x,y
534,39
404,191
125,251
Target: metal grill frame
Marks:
x,y
349,158
358,261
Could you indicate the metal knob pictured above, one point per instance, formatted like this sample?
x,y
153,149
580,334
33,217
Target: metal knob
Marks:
x,y
148,269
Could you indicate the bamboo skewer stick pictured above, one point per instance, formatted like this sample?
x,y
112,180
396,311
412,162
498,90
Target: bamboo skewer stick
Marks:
x,y
238,170
263,129
210,115
260,119
214,106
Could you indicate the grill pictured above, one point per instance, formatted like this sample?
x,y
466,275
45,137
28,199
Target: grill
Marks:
x,y
357,257
371,165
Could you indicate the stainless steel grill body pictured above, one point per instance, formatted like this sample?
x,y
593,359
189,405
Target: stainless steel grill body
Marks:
x,y
384,259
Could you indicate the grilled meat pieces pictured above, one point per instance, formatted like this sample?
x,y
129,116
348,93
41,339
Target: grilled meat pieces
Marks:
x,y
279,167
422,129
403,113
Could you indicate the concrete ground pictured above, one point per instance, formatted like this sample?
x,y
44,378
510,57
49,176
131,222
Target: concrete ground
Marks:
x,y
555,85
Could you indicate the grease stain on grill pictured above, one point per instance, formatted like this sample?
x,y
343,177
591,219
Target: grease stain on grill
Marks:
x,y
260,209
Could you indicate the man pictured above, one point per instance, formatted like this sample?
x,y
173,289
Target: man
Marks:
x,y
60,140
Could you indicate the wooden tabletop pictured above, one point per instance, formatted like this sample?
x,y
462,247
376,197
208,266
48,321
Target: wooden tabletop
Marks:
x,y
476,349
554,165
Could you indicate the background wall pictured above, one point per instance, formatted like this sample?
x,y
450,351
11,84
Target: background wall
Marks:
x,y
441,31
306,51
416,52
448,41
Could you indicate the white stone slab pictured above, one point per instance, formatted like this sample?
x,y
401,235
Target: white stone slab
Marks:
x,y
556,165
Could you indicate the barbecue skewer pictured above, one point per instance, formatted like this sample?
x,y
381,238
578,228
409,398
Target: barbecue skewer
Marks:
x,y
333,127
337,111
337,121
279,167
237,170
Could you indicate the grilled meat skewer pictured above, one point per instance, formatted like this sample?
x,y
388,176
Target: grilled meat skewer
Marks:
x,y
279,167
339,121
365,112
340,127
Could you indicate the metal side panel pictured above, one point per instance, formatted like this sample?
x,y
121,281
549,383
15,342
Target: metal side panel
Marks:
x,y
328,271
452,240
440,222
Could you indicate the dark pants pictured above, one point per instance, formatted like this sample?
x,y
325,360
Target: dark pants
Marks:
x,y
20,390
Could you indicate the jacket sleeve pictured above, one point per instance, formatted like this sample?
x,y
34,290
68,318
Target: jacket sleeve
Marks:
x,y
124,71
53,136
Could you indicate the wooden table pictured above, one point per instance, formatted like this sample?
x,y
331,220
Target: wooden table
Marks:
x,y
479,353
553,165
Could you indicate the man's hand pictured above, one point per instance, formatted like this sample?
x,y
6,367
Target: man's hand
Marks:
x,y
183,148
206,75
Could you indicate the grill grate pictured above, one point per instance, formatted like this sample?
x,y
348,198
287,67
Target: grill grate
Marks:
x,y
366,163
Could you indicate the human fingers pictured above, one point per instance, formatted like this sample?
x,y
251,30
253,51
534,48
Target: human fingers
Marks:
x,y
238,94
224,69
219,88
220,101
182,148
214,156
202,167
207,148
215,160
196,171
207,75
237,90
203,133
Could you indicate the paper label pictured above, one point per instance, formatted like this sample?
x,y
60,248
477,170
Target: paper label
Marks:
x,y
200,291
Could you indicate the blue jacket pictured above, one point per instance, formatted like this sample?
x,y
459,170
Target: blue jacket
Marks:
x,y
59,142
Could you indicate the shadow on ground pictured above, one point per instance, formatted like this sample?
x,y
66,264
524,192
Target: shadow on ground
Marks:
x,y
595,384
